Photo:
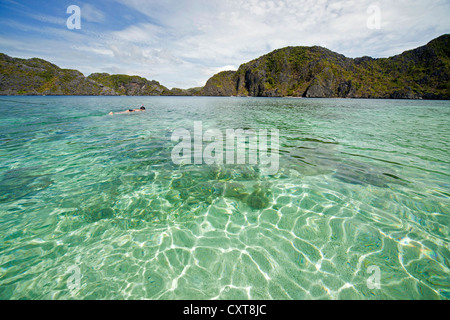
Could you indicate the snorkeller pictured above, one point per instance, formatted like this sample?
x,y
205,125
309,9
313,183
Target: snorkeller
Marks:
x,y
129,110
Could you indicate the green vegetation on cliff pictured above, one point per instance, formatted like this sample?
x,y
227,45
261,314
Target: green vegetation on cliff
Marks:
x,y
318,72
292,71
129,85
39,77
221,84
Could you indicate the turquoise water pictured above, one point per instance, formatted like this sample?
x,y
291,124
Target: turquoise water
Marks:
x,y
359,208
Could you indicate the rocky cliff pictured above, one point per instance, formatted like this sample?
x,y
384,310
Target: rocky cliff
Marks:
x,y
39,77
221,84
317,72
129,85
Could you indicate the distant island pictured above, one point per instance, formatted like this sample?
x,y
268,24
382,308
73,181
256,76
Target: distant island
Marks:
x,y
313,72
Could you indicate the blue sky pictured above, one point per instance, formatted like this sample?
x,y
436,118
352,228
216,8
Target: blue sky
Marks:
x,y
181,43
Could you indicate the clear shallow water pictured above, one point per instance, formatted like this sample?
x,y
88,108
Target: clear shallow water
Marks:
x,y
361,184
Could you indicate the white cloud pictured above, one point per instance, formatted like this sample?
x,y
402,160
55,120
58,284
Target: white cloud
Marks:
x,y
92,14
183,43
211,71
93,50
48,19
213,33
142,33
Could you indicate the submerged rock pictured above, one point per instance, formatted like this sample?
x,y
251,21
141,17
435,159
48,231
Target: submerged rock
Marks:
x,y
96,208
19,183
328,161
363,174
94,214
234,190
259,199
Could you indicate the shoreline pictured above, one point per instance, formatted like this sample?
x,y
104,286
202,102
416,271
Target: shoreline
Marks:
x,y
200,96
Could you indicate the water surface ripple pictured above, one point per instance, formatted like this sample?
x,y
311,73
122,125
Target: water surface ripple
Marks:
x,y
361,184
